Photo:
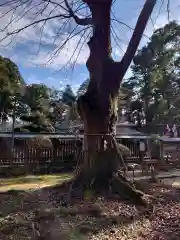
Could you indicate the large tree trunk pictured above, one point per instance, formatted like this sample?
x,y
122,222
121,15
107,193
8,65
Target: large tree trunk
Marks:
x,y
98,106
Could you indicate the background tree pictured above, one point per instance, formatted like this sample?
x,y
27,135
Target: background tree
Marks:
x,y
156,75
83,88
57,108
37,104
125,97
69,99
37,97
10,83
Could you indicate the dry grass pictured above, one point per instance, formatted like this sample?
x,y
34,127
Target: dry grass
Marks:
x,y
26,214
31,182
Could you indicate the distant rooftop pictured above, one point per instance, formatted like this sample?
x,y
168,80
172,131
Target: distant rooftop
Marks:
x,y
7,126
122,129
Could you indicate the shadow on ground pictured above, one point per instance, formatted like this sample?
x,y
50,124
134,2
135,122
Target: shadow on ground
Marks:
x,y
28,214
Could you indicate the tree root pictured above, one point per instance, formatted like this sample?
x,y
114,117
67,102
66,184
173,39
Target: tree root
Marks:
x,y
118,185
127,191
103,178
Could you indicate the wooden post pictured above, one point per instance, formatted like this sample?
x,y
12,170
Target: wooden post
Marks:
x,y
13,126
142,151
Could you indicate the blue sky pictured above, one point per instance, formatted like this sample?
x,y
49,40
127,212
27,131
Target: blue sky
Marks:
x,y
32,59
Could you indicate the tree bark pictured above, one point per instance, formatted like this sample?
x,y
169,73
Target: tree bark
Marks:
x,y
98,106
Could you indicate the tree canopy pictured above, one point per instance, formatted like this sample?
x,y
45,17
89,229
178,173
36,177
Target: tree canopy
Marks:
x,y
10,85
41,106
155,75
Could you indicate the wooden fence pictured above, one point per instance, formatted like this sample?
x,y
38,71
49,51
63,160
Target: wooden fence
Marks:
x,y
60,154
27,153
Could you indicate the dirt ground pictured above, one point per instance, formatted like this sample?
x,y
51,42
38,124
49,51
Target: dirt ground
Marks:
x,y
30,208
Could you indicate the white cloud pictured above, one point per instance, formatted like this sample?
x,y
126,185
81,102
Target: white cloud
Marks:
x,y
158,19
24,46
75,50
49,81
54,82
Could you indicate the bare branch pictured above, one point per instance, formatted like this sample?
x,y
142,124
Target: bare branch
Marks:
x,y
168,10
116,20
116,38
154,22
80,50
68,14
70,36
57,4
36,22
75,50
41,35
137,35
8,3
60,30
79,21
44,8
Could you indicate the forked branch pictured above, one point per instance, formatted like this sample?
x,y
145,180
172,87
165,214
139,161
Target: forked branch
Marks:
x,y
79,21
62,16
137,35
